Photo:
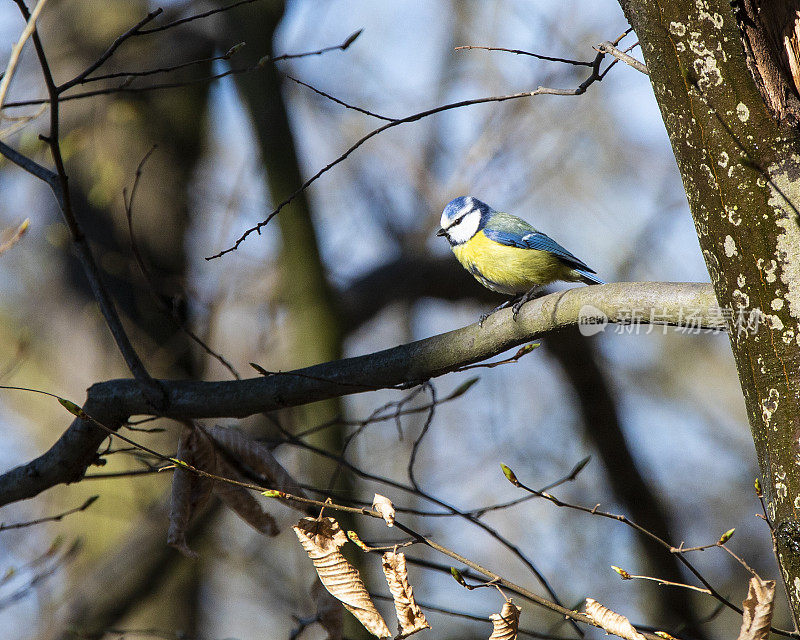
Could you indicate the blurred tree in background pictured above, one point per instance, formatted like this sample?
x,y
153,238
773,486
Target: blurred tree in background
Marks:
x,y
187,140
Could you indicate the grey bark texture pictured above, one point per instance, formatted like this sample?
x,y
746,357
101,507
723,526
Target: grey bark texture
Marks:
x,y
731,123
113,401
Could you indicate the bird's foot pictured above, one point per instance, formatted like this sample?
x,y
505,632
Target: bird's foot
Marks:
x,y
484,316
525,297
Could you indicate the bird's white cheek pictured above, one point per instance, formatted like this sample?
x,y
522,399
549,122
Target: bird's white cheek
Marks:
x,y
460,233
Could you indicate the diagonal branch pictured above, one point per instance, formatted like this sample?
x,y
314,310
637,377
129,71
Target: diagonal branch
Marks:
x,y
595,76
113,402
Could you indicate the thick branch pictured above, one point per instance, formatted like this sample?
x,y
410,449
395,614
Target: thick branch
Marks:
x,y
409,278
112,402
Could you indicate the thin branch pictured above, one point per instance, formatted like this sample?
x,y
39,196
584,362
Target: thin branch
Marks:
x,y
125,88
61,190
106,55
346,105
626,521
293,56
538,56
55,518
667,583
514,549
513,359
167,309
159,70
429,542
595,76
418,441
609,48
32,167
16,51
426,606
381,415
196,16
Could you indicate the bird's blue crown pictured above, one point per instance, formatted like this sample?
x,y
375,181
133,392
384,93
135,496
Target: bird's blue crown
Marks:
x,y
464,205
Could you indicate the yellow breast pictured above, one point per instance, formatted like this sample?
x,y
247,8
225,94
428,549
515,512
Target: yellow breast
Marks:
x,y
509,270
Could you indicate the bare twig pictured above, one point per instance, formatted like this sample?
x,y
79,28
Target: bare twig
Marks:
x,y
62,193
492,577
55,518
293,56
125,87
514,549
106,55
20,122
515,358
630,576
538,56
16,50
191,18
337,100
43,568
469,616
159,70
167,309
623,519
594,76
383,413
609,48
418,441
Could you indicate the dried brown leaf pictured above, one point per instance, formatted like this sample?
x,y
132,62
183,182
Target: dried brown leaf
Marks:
x,y
384,506
410,618
255,455
610,621
243,502
190,491
321,539
758,605
329,611
506,623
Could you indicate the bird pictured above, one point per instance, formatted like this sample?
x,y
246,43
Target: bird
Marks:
x,y
506,254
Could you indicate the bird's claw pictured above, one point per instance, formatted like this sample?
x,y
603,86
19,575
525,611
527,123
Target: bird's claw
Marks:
x,y
516,308
483,318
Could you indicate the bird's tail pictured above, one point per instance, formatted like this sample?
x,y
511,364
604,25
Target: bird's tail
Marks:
x,y
588,278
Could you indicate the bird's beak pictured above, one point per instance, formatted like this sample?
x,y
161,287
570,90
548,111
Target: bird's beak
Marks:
x,y
441,232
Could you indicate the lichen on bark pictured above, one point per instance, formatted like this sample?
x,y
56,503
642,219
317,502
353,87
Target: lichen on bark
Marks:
x,y
739,159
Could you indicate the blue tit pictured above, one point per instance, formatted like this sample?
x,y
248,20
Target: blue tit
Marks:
x,y
505,253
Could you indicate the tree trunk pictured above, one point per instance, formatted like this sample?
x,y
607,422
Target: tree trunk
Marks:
x,y
724,85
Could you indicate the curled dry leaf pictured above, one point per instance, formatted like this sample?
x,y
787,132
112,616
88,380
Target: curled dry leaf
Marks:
x,y
506,623
321,538
189,491
384,506
410,618
243,502
610,621
758,605
329,611
255,455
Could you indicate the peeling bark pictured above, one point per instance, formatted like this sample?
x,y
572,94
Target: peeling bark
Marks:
x,y
740,164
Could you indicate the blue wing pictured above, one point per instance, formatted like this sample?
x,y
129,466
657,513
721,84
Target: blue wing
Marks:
x,y
536,240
